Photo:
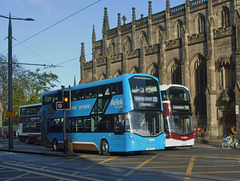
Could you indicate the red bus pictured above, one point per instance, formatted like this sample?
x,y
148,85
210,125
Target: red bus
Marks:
x,y
177,115
30,123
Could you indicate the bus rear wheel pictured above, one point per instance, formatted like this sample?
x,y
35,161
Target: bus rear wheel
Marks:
x,y
104,147
55,145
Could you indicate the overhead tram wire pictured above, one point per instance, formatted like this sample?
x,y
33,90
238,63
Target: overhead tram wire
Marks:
x,y
37,64
55,23
37,54
77,58
34,64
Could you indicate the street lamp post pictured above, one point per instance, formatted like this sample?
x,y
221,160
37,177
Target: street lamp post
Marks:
x,y
10,110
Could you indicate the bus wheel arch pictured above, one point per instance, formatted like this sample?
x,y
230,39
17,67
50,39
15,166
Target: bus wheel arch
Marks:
x,y
104,147
55,145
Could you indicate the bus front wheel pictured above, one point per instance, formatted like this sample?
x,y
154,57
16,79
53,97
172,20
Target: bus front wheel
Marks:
x,y
104,147
55,145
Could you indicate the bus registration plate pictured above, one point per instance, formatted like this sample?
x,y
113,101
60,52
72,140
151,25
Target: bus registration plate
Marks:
x,y
152,148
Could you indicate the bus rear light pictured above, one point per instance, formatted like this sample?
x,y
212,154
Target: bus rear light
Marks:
x,y
166,109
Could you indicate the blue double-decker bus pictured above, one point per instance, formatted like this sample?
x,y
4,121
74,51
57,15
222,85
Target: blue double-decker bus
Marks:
x,y
121,114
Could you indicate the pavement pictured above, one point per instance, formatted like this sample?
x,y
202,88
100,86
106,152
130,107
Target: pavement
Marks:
x,y
20,147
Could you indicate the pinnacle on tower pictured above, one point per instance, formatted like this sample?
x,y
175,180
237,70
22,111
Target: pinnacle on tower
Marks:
x,y
119,20
105,22
133,15
93,35
168,5
82,56
149,9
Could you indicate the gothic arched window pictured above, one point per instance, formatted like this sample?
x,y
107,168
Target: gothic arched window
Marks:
x,y
143,39
176,77
126,44
159,35
226,73
225,17
179,29
201,24
153,70
200,86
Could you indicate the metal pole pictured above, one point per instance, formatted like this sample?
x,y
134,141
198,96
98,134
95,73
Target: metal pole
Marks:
x,y
64,132
10,123
64,126
10,110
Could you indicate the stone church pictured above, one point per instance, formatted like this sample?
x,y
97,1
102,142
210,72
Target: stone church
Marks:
x,y
196,44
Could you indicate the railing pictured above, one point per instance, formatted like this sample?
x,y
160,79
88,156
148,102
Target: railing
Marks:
x,y
112,32
141,22
197,3
177,9
158,16
126,27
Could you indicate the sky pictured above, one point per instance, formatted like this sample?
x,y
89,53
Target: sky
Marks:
x,y
60,26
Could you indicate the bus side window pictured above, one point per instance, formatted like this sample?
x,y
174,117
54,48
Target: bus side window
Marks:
x,y
47,99
77,95
118,124
87,124
104,90
68,125
91,93
78,125
117,88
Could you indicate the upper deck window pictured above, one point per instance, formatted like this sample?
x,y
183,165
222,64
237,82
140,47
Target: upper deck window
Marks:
x,y
145,93
26,111
145,85
178,94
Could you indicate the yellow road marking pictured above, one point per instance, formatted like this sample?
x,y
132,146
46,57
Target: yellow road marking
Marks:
x,y
223,172
139,166
108,160
177,157
190,166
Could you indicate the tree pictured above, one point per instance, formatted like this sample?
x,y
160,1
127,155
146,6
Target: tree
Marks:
x,y
28,87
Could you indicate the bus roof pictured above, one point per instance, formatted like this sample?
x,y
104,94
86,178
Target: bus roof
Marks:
x,y
31,105
165,87
102,82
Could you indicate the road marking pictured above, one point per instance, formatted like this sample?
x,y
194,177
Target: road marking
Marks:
x,y
220,172
108,160
189,169
190,166
144,163
19,176
139,166
214,157
48,173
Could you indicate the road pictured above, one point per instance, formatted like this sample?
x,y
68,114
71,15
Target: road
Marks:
x,y
197,163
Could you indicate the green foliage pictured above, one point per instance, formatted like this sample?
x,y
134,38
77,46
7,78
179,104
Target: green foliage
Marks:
x,y
28,87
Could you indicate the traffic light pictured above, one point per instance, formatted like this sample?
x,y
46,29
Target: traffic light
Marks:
x,y
66,99
65,103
